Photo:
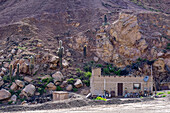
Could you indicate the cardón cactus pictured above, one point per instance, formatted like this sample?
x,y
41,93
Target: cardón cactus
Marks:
x,y
60,53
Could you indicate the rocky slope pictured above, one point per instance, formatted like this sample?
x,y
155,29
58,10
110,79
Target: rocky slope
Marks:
x,y
132,39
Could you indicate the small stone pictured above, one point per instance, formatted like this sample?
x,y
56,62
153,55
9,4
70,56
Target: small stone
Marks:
x,y
69,87
64,84
24,103
9,56
37,93
2,73
4,94
96,59
54,59
39,45
65,63
156,34
68,54
78,83
1,81
4,69
13,86
13,98
13,51
20,83
53,66
28,79
51,86
45,77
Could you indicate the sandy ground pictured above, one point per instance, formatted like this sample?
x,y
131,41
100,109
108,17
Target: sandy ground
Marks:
x,y
159,105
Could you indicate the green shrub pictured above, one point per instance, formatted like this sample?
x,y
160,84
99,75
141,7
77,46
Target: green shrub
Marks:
x,y
99,65
41,90
47,80
106,71
117,72
70,81
160,93
10,102
87,74
100,98
6,78
75,89
168,92
12,92
87,68
163,95
87,82
78,70
59,88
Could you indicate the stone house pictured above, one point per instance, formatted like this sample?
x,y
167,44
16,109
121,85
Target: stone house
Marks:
x,y
119,85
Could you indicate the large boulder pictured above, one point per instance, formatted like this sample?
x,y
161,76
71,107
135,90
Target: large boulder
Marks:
x,y
20,83
29,90
4,94
78,83
58,76
13,86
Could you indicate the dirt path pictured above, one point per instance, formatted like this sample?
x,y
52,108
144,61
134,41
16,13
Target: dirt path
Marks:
x,y
159,105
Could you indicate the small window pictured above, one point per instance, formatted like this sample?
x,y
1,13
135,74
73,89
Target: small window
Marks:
x,y
136,86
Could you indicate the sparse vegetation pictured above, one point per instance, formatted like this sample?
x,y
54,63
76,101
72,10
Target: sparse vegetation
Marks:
x,y
160,93
59,88
163,95
75,89
100,98
70,81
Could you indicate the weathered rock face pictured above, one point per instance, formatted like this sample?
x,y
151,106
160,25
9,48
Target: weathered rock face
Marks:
x,y
4,94
160,64
29,90
128,38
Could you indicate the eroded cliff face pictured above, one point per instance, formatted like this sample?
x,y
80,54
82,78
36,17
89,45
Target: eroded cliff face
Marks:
x,y
126,40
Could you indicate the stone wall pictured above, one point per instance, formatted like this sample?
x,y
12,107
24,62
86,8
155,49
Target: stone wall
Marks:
x,y
111,83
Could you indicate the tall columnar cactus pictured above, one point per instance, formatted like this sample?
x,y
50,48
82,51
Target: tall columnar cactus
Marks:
x,y
85,51
17,73
31,67
105,19
10,72
60,53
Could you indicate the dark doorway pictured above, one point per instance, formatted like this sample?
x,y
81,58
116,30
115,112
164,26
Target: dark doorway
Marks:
x,y
120,89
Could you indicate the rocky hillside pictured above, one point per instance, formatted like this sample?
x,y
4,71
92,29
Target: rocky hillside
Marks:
x,y
128,40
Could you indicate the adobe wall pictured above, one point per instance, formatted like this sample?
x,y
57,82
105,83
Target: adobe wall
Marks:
x,y
97,83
